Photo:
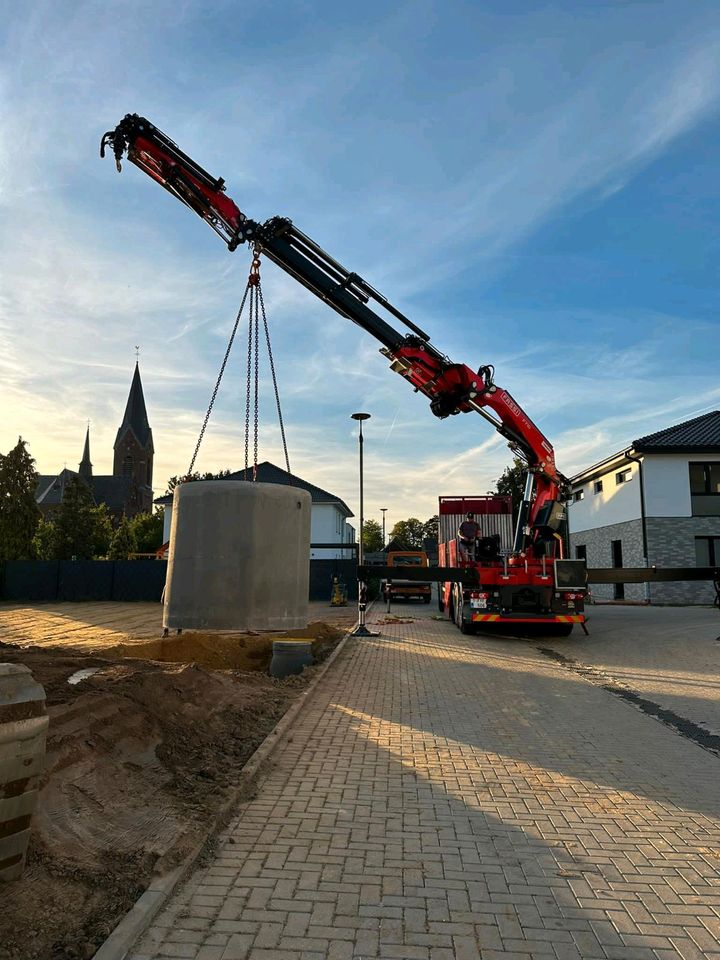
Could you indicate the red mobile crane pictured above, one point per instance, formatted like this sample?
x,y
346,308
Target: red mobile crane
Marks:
x,y
531,585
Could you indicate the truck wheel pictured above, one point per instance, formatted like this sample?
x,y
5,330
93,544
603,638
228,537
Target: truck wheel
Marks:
x,y
462,624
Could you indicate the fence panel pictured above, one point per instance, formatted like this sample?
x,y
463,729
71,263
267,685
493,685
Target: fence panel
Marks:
x,y
85,580
322,572
129,580
29,580
139,580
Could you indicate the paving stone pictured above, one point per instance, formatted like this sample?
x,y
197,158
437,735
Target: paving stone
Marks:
x,y
450,798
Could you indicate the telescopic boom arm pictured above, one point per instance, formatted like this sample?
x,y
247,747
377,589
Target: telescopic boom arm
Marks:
x,y
452,388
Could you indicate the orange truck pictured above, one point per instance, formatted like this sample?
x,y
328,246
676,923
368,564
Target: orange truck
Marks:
x,y
401,589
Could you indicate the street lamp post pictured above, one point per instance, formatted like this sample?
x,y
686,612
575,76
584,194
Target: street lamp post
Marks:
x,y
361,630
383,511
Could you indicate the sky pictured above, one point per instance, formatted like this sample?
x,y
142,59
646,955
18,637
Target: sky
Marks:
x,y
533,184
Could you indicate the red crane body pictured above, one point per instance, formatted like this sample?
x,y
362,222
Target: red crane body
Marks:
x,y
452,388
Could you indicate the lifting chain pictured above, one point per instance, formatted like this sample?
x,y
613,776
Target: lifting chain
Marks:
x,y
255,311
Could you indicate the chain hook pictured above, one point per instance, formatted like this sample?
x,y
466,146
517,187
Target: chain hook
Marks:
x,y
254,278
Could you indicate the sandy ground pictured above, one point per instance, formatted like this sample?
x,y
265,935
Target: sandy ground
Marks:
x,y
89,627
141,753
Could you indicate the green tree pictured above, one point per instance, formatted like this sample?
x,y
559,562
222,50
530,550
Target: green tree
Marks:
x,y
409,534
148,530
430,528
102,531
19,513
372,536
77,523
196,475
43,544
512,482
123,542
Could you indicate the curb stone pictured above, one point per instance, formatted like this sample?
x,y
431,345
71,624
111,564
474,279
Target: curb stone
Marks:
x,y
160,889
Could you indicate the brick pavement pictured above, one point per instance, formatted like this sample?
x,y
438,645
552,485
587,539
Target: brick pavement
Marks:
x,y
449,798
667,654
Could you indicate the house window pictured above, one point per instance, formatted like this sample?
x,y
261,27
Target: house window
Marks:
x,y
707,551
579,495
705,489
705,478
623,476
581,552
598,486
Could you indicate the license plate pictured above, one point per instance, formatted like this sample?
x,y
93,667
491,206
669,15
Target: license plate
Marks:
x,y
477,604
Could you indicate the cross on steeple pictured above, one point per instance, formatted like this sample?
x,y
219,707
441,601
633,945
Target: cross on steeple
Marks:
x,y
137,353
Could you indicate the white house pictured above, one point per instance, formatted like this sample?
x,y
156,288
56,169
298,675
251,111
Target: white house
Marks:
x,y
655,503
328,515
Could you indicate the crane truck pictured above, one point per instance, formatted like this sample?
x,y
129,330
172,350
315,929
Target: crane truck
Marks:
x,y
529,585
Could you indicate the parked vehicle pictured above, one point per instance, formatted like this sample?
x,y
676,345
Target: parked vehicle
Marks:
x,y
403,589
546,592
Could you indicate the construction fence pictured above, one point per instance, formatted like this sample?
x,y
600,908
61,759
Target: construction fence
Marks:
x,y
37,581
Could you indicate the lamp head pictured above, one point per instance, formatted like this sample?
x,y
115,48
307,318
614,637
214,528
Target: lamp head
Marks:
x,y
360,416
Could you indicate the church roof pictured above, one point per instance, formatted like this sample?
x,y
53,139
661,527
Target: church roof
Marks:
x,y
50,490
112,491
136,418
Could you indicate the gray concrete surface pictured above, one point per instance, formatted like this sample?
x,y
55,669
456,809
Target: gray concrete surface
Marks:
x,y
450,798
671,655
238,557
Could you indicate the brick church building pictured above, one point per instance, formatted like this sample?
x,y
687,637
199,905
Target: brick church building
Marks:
x,y
128,490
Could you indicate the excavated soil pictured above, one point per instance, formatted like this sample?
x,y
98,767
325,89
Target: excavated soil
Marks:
x,y
141,754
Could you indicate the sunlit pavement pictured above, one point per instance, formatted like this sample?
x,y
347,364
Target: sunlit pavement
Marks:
x,y
451,797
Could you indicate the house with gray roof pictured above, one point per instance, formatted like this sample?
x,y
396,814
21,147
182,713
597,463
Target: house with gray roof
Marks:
x,y
328,513
127,491
655,503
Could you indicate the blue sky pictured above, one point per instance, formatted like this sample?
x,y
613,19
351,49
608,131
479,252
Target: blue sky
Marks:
x,y
533,184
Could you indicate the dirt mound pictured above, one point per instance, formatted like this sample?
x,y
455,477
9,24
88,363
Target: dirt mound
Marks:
x,y
140,756
226,651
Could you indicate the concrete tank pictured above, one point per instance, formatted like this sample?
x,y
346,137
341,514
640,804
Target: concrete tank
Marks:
x,y
239,557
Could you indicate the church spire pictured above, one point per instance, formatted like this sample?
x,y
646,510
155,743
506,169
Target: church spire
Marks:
x,y
85,470
136,418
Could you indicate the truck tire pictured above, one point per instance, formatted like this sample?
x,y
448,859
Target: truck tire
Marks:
x,y
462,626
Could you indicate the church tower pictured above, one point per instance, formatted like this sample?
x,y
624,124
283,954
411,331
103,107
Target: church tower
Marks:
x,y
134,446
85,470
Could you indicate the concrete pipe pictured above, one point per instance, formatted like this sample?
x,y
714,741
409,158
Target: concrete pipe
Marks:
x,y
239,557
23,730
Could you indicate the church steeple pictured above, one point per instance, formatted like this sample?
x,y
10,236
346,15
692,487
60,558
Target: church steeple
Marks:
x,y
85,470
134,443
136,418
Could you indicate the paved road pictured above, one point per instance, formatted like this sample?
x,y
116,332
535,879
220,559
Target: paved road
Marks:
x,y
671,655
445,798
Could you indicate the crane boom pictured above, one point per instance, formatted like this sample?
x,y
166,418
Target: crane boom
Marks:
x,y
452,388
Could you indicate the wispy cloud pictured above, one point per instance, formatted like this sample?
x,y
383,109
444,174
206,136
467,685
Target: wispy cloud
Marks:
x,y
421,149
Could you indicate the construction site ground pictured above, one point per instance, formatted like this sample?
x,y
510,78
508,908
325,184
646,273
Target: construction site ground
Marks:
x,y
449,797
143,750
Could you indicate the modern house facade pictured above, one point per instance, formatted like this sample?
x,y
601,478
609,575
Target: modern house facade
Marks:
x,y
656,503
328,514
